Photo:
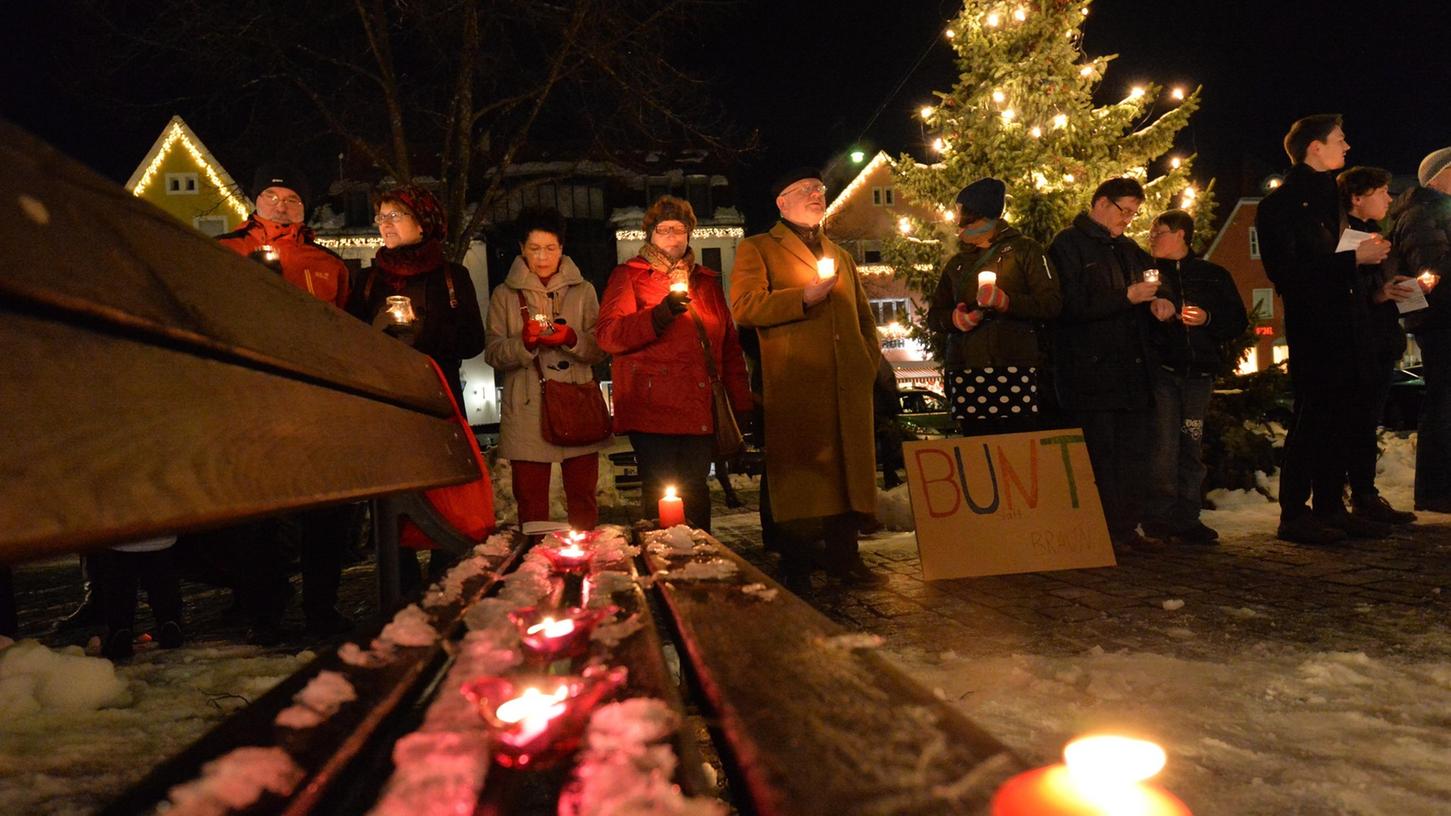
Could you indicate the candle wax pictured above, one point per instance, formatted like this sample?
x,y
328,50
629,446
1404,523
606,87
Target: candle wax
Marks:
x,y
987,278
672,509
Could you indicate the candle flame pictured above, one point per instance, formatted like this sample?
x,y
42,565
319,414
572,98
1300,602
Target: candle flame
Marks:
x,y
550,627
679,286
1108,759
670,492
826,267
531,712
571,551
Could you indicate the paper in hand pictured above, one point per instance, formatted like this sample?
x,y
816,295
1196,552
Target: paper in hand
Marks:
x,y
1351,238
1417,300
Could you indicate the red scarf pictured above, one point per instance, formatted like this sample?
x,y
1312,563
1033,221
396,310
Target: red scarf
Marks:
x,y
402,263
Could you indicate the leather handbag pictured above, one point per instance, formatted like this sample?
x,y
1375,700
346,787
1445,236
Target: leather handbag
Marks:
x,y
728,441
570,414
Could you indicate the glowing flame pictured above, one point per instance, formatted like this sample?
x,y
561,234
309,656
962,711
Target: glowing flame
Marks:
x,y
670,492
1177,94
551,628
1110,760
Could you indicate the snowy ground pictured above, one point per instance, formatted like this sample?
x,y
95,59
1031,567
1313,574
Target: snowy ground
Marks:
x,y
1253,725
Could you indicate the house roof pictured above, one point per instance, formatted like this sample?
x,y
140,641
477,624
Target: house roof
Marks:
x,y
176,135
1228,222
856,184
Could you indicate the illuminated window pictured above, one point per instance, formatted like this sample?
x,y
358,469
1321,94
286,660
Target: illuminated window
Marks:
x,y
890,310
1280,352
1250,363
1262,304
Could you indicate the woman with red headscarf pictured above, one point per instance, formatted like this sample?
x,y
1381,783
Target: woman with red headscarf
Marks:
x,y
447,325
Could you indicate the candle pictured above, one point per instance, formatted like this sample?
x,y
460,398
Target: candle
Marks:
x,y
529,713
826,268
400,309
679,288
1151,276
551,628
1100,775
269,253
987,277
553,634
672,509
537,720
546,326
1428,278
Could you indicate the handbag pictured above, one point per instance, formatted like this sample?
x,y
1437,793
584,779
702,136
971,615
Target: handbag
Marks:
x,y
570,414
728,439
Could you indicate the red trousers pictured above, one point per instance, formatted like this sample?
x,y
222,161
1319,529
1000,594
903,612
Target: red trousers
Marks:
x,y
581,475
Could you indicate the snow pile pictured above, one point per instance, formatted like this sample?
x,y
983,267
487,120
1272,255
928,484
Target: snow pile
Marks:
x,y
410,627
319,699
497,545
34,679
236,781
850,641
715,569
894,509
610,634
760,592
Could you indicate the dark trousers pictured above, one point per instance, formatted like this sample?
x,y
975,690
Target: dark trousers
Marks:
x,y
325,536
1365,449
679,460
1433,442
124,572
797,540
1322,432
1176,436
1117,444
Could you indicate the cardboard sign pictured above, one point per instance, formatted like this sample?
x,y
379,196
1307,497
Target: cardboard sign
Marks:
x,y
991,505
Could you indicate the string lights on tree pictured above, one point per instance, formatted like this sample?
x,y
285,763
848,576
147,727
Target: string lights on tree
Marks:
x,y
1022,109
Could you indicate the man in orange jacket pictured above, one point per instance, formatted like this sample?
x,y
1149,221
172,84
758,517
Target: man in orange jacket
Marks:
x,y
276,234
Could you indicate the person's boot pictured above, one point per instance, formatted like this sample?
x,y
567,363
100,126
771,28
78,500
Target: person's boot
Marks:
x,y
1376,508
117,646
169,635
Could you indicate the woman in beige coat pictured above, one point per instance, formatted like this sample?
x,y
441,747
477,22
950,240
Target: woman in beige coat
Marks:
x,y
551,285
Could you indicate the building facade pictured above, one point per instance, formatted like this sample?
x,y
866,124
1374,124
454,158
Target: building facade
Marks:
x,y
181,176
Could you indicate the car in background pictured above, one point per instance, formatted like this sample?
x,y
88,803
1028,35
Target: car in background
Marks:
x,y
924,412
1403,405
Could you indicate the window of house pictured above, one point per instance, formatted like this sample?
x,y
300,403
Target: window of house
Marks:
x,y
1254,243
890,310
876,196
1250,363
887,194
211,224
1262,304
710,256
181,183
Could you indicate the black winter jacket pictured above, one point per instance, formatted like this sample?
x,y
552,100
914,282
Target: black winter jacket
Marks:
x,y
1099,357
1421,240
1385,319
1196,349
1009,338
1327,313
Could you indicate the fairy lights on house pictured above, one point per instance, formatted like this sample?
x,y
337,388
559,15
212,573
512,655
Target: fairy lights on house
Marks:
x,y
856,183
698,232
176,133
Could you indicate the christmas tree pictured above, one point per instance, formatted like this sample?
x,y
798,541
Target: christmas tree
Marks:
x,y
1022,110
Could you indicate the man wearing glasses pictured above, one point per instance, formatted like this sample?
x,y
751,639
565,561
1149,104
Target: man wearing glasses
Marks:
x,y
818,361
1099,358
276,234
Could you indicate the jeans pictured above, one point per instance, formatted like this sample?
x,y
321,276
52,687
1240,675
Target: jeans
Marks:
x,y
1117,443
1433,435
1176,463
678,460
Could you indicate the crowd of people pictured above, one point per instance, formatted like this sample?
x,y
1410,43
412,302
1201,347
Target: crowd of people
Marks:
x,y
1092,331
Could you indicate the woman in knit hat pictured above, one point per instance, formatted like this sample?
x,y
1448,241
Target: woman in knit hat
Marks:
x,y
662,381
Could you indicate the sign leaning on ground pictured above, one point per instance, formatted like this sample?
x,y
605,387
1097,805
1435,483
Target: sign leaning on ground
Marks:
x,y
991,505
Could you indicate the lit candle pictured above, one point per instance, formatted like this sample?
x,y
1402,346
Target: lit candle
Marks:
x,y
1151,276
269,253
987,277
551,628
679,288
826,268
1428,278
530,713
672,509
1099,775
400,309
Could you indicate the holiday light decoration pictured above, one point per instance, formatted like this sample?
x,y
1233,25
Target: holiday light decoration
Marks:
x,y
698,232
176,133
856,183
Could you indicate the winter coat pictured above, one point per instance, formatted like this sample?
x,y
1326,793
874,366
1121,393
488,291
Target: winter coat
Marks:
x,y
817,368
1327,314
1421,240
661,383
568,295
1008,338
309,267
1385,319
1193,350
1099,358
450,326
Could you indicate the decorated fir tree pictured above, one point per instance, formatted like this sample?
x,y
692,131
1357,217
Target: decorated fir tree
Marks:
x,y
1022,110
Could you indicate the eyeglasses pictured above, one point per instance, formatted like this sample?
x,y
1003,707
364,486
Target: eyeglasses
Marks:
x,y
394,217
542,249
1132,214
807,189
275,199
1158,233
672,231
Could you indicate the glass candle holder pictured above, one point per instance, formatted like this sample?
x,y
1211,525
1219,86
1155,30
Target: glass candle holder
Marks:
x,y
555,634
570,557
400,310
536,720
1151,276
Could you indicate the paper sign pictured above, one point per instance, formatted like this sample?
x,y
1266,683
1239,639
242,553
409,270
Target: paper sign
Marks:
x,y
992,505
1350,239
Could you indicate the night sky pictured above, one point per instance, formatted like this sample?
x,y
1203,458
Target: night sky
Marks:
x,y
810,76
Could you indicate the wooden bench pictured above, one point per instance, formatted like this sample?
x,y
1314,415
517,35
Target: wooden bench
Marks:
x,y
156,383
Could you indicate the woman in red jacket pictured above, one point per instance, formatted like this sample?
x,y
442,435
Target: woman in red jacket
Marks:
x,y
662,387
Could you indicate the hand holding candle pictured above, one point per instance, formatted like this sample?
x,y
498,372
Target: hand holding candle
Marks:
x,y
1151,276
672,509
825,268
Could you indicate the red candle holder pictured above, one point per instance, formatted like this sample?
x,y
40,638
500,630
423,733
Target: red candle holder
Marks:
x,y
554,634
572,557
535,721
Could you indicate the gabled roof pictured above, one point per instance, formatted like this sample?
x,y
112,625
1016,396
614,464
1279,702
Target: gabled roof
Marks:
x,y
857,183
1228,222
177,135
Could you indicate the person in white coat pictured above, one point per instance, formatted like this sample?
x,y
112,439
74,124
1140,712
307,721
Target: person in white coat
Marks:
x,y
550,285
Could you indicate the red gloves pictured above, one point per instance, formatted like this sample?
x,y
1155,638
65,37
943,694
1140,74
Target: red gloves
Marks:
x,y
989,296
532,334
563,336
966,319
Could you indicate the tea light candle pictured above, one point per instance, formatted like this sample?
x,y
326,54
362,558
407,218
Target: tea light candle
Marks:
x,y
987,277
679,288
1151,276
1099,775
1428,278
530,713
269,253
400,309
672,509
826,268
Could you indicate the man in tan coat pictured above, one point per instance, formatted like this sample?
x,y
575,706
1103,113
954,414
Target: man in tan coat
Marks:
x,y
819,353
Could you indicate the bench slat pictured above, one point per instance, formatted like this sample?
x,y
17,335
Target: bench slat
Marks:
x,y
77,243
818,729
113,439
